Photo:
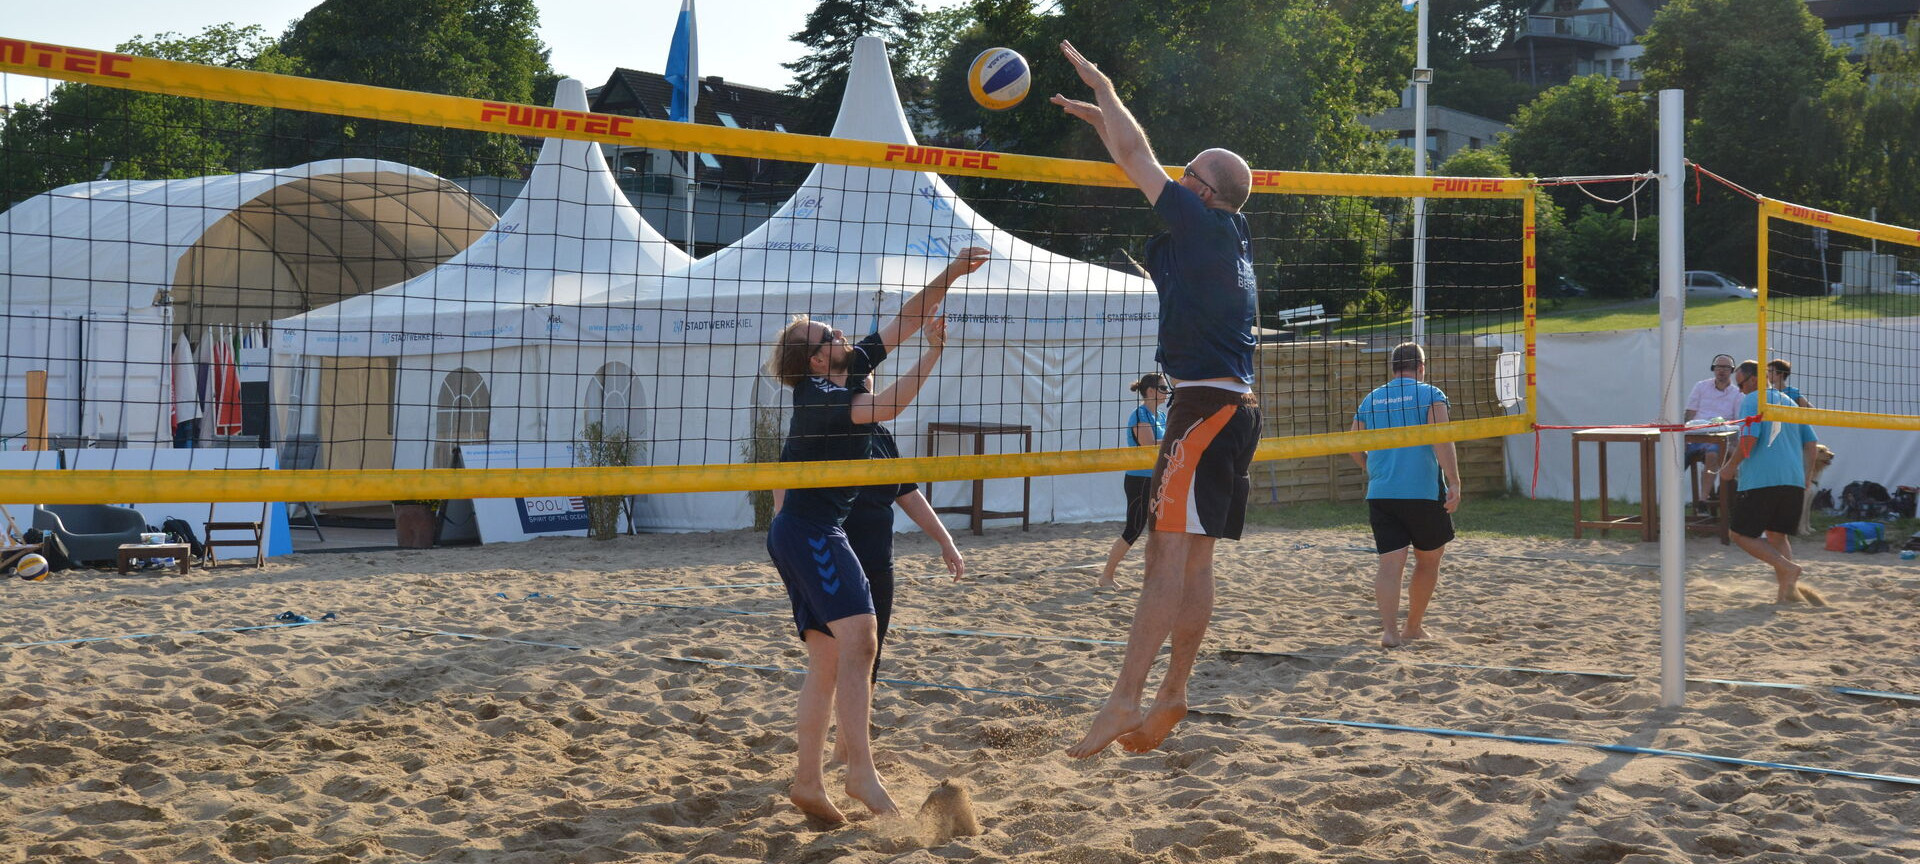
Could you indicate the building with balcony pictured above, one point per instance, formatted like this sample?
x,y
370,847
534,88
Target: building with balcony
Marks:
x,y
1563,39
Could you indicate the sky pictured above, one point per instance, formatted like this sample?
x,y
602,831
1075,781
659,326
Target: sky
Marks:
x,y
744,41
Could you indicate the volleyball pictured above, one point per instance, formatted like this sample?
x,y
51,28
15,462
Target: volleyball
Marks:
x,y
32,568
999,78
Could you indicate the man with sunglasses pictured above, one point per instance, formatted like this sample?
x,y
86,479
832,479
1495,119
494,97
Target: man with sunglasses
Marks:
x,y
833,420
1202,268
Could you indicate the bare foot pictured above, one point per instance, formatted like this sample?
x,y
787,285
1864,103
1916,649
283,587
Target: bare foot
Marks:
x,y
1106,585
1161,719
1788,579
870,791
1109,724
812,800
1412,634
1390,639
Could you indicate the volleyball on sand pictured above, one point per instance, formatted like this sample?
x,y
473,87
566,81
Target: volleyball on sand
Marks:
x,y
999,78
32,568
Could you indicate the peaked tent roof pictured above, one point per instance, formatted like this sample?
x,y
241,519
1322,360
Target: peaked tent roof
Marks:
x,y
570,234
285,240
852,238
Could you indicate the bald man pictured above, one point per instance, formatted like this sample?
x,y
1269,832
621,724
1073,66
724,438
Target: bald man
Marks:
x,y
1202,268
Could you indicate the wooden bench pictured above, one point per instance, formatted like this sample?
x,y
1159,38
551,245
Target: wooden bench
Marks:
x,y
1306,318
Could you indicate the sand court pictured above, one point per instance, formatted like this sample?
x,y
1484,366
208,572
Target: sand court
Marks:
x,y
661,731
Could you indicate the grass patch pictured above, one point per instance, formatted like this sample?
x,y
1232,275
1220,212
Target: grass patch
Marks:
x,y
1510,516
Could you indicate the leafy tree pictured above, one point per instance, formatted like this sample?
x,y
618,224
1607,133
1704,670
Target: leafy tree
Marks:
x,y
1490,93
1611,254
485,49
83,132
1878,115
1755,73
1586,126
832,28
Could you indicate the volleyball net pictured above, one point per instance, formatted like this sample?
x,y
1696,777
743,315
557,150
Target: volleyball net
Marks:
x,y
1838,298
413,296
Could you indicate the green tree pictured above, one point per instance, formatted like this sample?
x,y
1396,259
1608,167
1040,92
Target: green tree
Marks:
x,y
1878,115
484,49
83,132
1471,241
1755,74
1586,126
832,28
1611,254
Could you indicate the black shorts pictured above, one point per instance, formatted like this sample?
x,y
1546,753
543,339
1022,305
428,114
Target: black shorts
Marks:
x,y
1137,487
1768,508
1401,522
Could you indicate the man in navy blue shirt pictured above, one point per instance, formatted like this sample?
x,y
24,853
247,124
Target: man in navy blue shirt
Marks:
x,y
1203,269
833,420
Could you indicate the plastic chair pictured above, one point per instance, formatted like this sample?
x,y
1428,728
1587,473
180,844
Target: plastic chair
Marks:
x,y
91,532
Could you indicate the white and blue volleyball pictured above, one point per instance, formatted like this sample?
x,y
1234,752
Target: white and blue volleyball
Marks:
x,y
999,78
32,568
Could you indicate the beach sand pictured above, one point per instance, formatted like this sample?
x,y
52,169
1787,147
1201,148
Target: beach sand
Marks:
x,y
373,738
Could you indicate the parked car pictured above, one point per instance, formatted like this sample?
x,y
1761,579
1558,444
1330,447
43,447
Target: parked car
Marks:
x,y
1564,287
1707,283
1906,282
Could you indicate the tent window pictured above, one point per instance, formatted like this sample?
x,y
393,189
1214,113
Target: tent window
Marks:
x,y
615,400
708,160
460,414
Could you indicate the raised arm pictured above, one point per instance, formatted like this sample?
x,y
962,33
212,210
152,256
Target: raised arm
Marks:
x,y
1126,142
888,403
919,308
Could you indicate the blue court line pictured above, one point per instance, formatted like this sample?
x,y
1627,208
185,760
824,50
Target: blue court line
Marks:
x,y
1856,692
1622,749
86,639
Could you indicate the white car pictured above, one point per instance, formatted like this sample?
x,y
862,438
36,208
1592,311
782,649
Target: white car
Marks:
x,y
1906,282
1707,283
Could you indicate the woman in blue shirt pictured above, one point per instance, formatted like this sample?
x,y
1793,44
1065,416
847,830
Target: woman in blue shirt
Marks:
x,y
1146,425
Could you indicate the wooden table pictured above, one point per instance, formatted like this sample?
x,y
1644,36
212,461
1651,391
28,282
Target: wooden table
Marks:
x,y
177,551
1648,519
975,510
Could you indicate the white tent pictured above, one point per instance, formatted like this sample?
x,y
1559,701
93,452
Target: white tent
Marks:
x,y
463,347
1037,339
94,276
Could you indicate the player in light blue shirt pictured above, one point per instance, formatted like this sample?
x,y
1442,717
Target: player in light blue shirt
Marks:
x,y
1769,467
1411,492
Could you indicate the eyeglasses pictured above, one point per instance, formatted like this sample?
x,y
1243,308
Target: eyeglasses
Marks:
x,y
826,338
1189,172
1164,389
1718,368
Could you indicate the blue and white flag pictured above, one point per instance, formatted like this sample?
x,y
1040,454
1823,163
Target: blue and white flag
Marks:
x,y
683,66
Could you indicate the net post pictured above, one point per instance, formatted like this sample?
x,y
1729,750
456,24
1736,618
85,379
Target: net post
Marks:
x,y
1761,223
1673,539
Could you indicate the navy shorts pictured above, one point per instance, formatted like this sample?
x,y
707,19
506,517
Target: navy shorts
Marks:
x,y
1768,508
823,577
1401,522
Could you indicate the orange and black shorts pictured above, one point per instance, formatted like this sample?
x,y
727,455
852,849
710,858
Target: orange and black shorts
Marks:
x,y
1200,481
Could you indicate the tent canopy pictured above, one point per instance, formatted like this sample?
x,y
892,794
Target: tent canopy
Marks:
x,y
570,234
234,248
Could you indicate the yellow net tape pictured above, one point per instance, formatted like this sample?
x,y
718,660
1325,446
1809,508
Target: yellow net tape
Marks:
x,y
90,487
268,90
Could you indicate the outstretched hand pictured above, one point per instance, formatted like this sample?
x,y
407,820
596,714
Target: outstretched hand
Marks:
x,y
1084,110
1090,74
968,260
936,333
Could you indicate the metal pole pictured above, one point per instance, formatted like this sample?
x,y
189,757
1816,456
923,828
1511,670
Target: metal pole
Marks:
x,y
1673,309
1421,77
692,167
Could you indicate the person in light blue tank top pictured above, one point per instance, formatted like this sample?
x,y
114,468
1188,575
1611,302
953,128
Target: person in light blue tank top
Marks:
x,y
1147,424
1411,492
1769,468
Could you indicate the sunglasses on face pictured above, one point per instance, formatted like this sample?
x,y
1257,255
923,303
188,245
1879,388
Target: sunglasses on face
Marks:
x,y
1722,368
1189,172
